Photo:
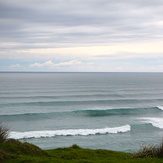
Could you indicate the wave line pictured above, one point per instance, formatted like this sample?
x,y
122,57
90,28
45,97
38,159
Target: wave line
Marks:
x,y
69,132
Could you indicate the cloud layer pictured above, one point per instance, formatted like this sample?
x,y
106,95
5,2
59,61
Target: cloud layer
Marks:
x,y
58,34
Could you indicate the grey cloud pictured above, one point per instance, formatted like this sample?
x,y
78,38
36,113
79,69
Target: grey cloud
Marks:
x,y
118,20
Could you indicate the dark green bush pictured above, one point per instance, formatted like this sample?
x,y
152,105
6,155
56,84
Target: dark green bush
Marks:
x,y
75,146
2,156
17,147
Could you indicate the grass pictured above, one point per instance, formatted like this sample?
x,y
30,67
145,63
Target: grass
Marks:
x,y
14,151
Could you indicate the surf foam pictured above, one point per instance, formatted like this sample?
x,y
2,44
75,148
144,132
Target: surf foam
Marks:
x,y
160,107
68,132
156,122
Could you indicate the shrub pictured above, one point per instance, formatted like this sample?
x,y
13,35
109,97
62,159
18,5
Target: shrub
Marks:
x,y
75,146
150,151
4,132
160,150
17,147
146,152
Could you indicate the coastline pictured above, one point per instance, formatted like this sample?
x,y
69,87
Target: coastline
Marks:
x,y
15,151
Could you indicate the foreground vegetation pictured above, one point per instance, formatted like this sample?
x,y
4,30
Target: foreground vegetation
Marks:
x,y
14,151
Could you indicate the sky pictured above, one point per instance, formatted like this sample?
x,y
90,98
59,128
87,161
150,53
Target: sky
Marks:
x,y
81,35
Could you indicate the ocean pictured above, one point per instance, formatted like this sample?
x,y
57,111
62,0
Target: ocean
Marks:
x,y
115,111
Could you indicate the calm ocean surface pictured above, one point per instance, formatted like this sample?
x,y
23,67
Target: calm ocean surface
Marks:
x,y
117,111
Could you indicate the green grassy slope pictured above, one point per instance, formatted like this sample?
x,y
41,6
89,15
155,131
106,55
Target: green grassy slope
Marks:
x,y
13,151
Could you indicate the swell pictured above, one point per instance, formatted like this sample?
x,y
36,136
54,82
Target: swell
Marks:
x,y
60,96
91,112
78,102
52,91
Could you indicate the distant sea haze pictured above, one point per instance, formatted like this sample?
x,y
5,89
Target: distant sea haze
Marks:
x,y
117,111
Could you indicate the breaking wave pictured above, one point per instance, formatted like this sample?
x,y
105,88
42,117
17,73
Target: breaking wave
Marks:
x,y
160,107
156,122
69,132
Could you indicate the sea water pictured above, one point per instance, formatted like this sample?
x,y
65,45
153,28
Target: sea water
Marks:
x,y
117,111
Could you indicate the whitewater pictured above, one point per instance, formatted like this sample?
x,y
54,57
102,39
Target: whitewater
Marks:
x,y
117,111
84,132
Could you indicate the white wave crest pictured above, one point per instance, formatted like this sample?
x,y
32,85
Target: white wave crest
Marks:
x,y
69,132
160,107
156,122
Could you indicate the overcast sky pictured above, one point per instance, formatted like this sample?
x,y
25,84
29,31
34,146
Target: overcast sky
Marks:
x,y
81,35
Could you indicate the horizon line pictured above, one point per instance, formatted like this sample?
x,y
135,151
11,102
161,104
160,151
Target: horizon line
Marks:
x,y
78,72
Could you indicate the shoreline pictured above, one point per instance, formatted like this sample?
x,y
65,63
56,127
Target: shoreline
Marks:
x,y
12,150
